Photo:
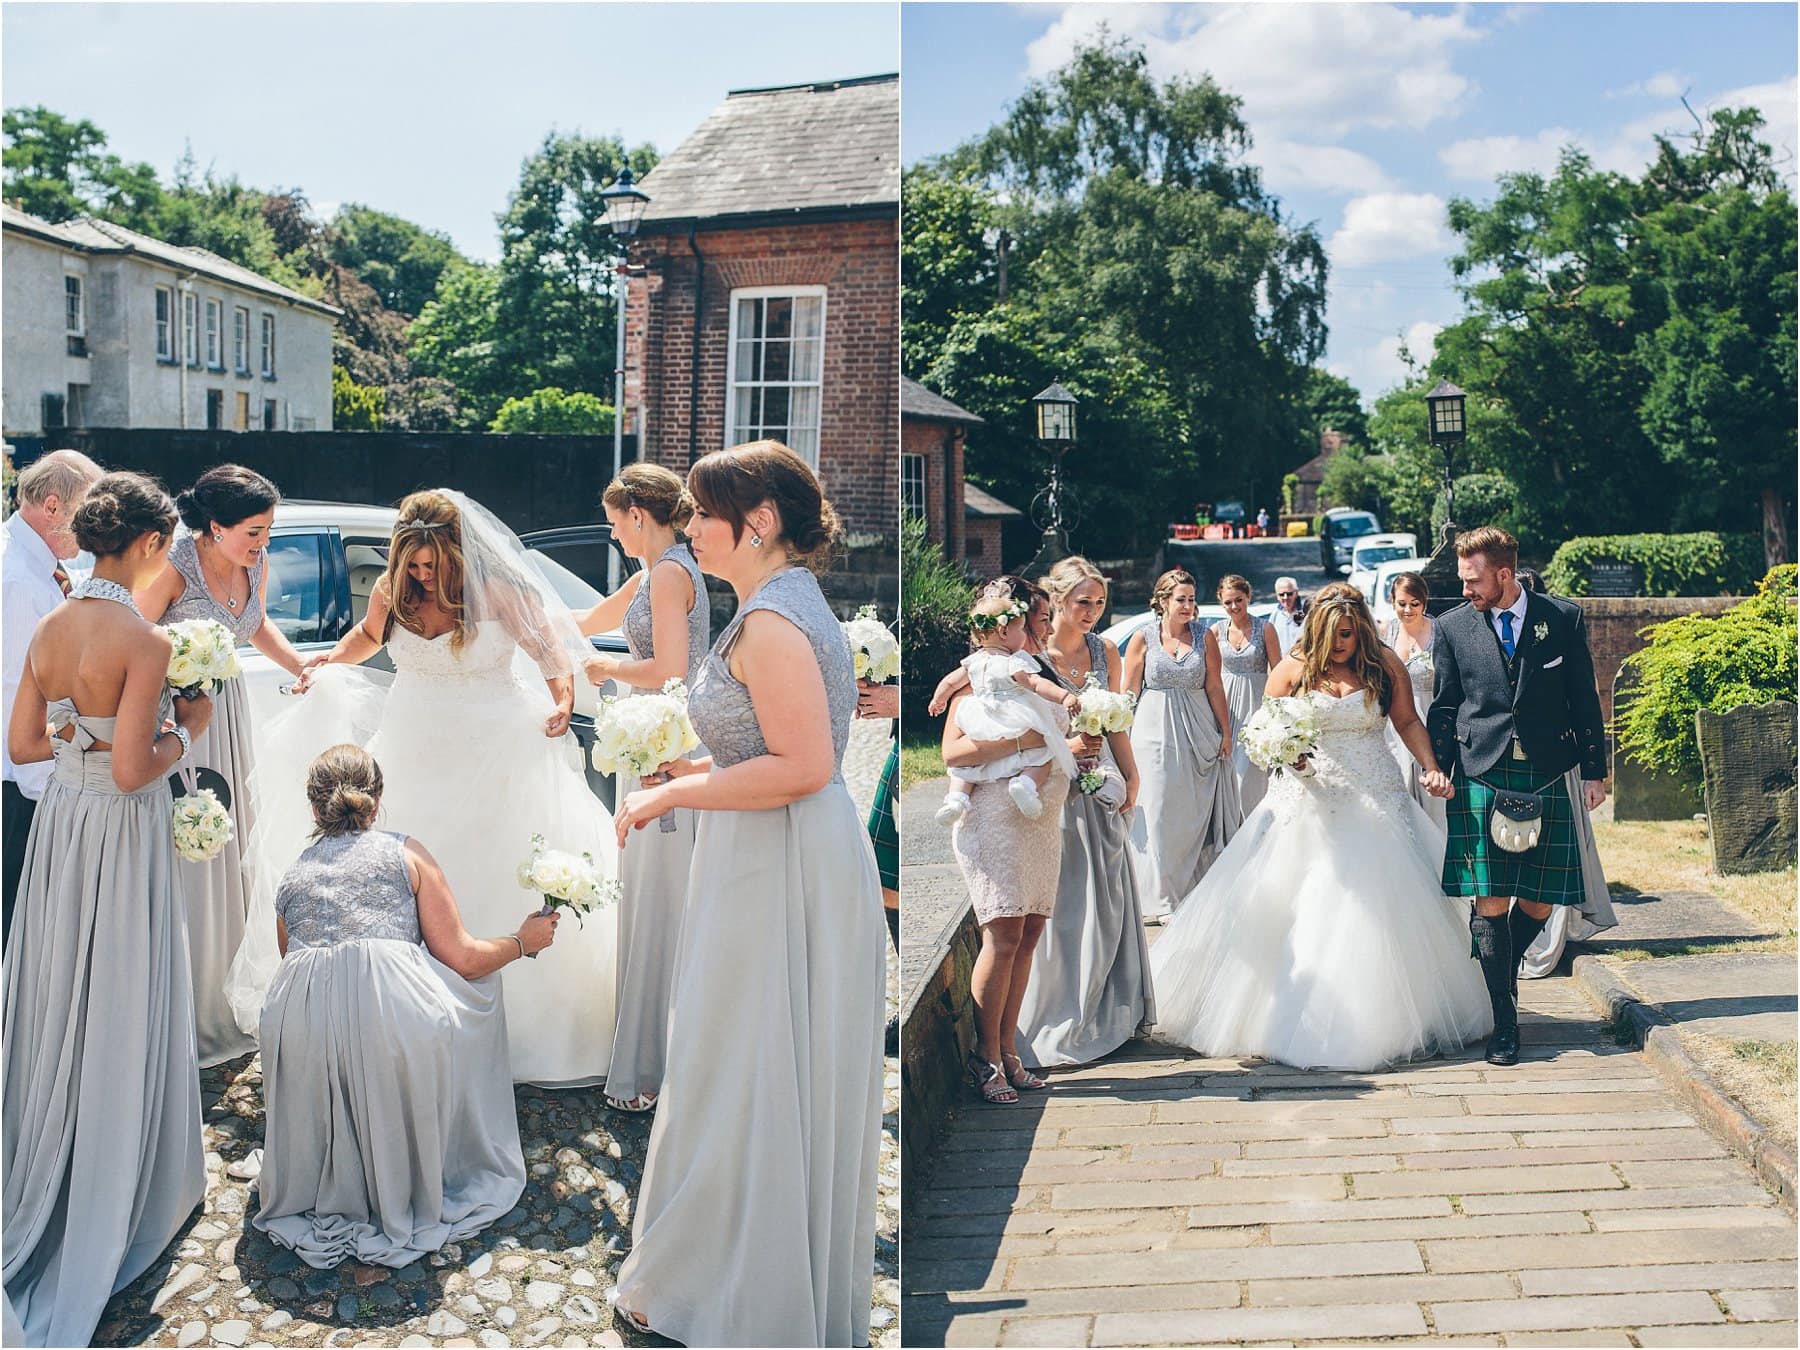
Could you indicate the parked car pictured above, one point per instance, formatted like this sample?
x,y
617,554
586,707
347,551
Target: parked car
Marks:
x,y
1339,529
1379,591
325,558
1372,550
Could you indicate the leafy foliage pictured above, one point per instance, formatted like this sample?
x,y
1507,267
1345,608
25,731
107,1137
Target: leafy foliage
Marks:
x,y
355,407
934,607
1674,564
1745,655
400,261
552,410
1481,499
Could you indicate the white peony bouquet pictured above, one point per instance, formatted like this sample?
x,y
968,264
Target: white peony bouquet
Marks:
x,y
202,825
203,656
1102,711
565,880
873,644
644,732
1281,731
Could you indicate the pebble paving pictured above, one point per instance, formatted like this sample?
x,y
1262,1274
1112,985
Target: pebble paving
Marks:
x,y
539,1276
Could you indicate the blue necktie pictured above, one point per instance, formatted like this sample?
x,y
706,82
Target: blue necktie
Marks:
x,y
1506,633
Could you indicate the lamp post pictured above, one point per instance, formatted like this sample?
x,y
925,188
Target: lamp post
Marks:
x,y
623,204
1054,410
1446,429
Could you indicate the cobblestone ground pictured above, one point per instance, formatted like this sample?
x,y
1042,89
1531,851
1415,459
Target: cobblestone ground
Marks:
x,y
1161,1199
539,1276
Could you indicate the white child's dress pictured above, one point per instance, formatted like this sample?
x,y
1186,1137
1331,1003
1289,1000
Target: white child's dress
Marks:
x,y
999,710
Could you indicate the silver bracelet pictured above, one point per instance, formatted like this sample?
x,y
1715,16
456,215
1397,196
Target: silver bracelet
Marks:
x,y
187,741
521,941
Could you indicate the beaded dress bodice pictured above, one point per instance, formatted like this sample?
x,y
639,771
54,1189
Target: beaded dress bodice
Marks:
x,y
720,707
1353,756
349,887
1162,671
1251,660
429,664
1419,666
196,602
638,626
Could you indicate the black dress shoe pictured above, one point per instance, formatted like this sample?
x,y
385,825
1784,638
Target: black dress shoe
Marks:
x,y
1503,1046
893,1035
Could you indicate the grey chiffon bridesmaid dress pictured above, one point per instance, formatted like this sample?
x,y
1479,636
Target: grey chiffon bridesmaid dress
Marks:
x,y
653,874
389,1126
1245,674
755,1221
218,891
102,1156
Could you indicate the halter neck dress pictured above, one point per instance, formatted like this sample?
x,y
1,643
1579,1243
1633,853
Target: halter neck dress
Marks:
x,y
1245,673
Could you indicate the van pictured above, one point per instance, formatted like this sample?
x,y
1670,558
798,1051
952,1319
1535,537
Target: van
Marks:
x,y
1339,530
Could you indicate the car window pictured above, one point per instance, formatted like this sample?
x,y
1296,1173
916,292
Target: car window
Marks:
x,y
583,557
366,560
1371,557
1349,527
297,585
569,588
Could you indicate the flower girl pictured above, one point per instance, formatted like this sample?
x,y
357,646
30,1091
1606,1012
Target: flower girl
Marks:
x,y
1007,698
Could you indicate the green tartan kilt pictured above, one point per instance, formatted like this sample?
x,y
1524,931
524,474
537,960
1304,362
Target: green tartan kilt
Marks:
x,y
1475,865
883,832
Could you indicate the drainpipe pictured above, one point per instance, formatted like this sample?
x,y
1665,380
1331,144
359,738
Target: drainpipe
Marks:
x,y
184,287
694,351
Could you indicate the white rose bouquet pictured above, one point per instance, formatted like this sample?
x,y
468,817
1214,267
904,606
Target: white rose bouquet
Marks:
x,y
644,732
1281,732
203,656
873,644
1102,711
566,881
202,825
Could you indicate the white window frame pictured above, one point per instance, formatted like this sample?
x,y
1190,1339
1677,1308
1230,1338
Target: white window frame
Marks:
x,y
190,328
741,293
240,339
165,326
268,345
215,334
914,470
79,295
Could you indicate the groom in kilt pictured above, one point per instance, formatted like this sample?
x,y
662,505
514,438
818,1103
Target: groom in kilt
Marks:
x,y
1513,709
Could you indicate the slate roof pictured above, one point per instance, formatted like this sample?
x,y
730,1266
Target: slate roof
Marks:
x,y
977,503
88,235
921,404
785,151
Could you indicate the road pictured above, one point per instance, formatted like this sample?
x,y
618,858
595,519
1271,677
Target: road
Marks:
x,y
1259,561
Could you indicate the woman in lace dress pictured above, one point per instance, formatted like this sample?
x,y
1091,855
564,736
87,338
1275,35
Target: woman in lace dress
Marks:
x,y
219,570
1322,937
1089,990
1248,650
667,621
755,1220
1409,634
1188,805
101,1140
390,1126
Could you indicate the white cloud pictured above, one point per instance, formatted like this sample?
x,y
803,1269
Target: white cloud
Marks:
x,y
1481,158
1313,70
1779,103
1390,227
1376,367
1663,84
1290,166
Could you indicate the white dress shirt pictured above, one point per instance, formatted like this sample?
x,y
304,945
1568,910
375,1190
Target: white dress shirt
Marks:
x,y
28,591
1517,610
1287,628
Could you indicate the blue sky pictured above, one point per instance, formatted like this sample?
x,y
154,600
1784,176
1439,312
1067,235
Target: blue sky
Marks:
x,y
425,110
1367,118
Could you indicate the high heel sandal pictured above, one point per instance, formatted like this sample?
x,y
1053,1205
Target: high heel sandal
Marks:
x,y
990,1082
1018,1075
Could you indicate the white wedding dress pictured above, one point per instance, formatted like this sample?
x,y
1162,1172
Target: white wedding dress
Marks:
x,y
1322,938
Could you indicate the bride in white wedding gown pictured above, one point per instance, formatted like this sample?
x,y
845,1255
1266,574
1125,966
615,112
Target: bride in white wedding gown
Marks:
x,y
472,742
1322,937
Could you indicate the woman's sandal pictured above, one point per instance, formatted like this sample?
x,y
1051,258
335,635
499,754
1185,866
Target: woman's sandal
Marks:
x,y
1020,1076
990,1082
644,1101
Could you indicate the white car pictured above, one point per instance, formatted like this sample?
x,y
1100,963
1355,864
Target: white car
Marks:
x,y
1379,591
325,558
1122,629
1373,550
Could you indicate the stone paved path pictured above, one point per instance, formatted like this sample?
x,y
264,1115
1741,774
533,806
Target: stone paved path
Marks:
x,y
539,1276
1160,1199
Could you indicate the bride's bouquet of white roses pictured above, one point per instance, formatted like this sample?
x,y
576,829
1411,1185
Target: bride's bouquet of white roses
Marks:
x,y
203,656
1281,732
873,644
565,880
1102,711
644,732
202,825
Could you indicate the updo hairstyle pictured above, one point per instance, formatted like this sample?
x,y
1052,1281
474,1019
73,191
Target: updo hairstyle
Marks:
x,y
730,484
119,509
1061,580
1231,581
654,490
1165,588
225,495
344,787
1413,584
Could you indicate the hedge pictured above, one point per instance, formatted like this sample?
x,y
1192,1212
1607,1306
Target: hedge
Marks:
x,y
934,623
1673,564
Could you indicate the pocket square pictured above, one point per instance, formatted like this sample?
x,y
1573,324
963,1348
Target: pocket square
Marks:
x,y
1548,665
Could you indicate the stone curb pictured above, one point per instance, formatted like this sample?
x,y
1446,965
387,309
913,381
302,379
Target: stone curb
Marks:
x,y
1653,1032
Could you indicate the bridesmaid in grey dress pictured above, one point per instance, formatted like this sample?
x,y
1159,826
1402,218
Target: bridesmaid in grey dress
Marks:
x,y
1410,634
755,1220
219,570
1089,990
1248,651
101,1141
1188,803
667,621
390,1126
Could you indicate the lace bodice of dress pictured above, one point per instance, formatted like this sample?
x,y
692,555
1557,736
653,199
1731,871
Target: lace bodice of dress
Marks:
x,y
348,887
720,707
486,658
1162,671
1252,661
196,602
638,626
1353,754
1419,665
991,673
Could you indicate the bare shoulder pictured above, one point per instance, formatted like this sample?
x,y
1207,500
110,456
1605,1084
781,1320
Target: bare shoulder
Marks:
x,y
1288,674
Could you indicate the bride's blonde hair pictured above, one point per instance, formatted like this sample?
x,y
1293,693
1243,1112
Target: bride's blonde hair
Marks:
x,y
427,520
1331,606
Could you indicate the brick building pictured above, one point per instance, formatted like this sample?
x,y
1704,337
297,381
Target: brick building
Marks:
x,y
962,519
1312,473
777,222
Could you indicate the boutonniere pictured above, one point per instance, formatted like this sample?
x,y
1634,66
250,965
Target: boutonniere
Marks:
x,y
1540,631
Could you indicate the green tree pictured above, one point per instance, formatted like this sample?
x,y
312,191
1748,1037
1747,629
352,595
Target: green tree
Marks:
x,y
1332,403
454,340
355,407
553,410
58,169
400,260
949,263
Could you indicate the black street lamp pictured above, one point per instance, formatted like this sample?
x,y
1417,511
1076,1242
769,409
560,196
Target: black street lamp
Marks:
x,y
1055,415
623,207
1446,428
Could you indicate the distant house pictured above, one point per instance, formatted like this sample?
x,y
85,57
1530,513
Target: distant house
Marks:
x,y
777,223
1312,473
962,519
106,327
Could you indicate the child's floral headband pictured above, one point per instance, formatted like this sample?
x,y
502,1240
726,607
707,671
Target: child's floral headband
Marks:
x,y
982,623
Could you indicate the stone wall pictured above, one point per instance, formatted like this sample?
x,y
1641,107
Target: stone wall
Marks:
x,y
1613,629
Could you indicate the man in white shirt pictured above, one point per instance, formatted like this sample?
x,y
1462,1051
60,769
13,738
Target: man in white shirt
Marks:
x,y
33,581
1289,615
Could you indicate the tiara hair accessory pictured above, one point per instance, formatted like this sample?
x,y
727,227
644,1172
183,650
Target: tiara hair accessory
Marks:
x,y
423,525
982,623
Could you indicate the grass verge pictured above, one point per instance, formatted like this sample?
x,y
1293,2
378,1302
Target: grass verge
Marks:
x,y
919,759
1657,856
1761,1075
